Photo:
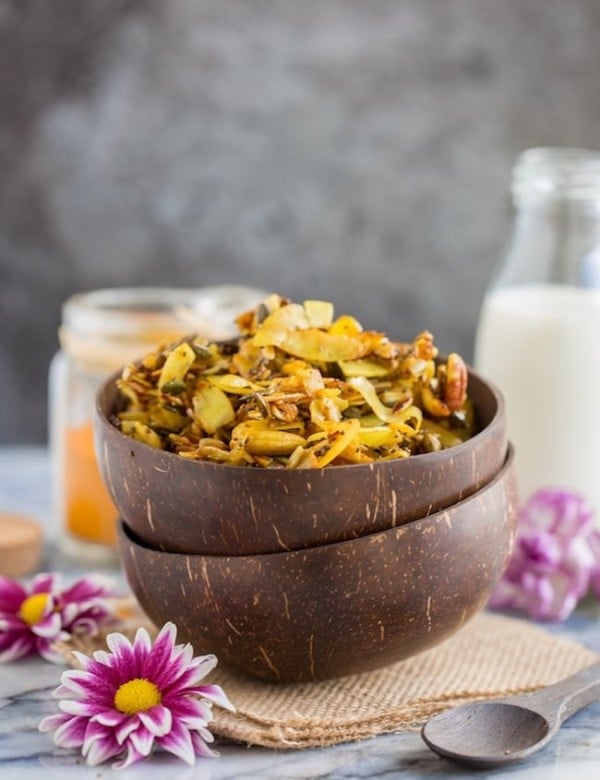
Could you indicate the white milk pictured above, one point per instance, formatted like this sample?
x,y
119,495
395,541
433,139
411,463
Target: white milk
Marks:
x,y
541,345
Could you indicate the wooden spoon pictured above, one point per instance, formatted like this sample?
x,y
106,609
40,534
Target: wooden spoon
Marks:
x,y
493,733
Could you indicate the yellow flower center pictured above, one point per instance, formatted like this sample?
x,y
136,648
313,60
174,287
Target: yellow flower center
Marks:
x,y
32,609
137,695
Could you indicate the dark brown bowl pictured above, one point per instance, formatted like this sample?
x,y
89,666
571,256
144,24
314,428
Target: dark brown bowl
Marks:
x,y
337,609
200,507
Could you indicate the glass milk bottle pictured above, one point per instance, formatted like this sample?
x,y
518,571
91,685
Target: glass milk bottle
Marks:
x,y
539,330
100,332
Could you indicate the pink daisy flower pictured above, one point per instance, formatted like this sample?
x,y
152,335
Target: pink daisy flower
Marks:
x,y
33,618
124,702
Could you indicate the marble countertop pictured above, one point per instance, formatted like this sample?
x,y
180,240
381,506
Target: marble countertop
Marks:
x,y
26,686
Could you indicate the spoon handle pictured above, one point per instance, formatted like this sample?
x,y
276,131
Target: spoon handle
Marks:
x,y
559,701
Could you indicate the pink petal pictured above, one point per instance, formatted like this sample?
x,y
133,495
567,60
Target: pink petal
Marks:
x,y
215,694
160,658
565,596
84,684
142,637
78,707
45,583
110,718
142,646
538,593
82,659
18,648
12,623
112,675
167,635
63,692
106,667
94,731
71,734
179,742
205,734
195,723
52,722
579,555
170,677
206,665
181,679
142,740
69,613
76,681
126,728
594,542
118,643
127,659
12,595
184,707
541,550
49,626
200,746
87,588
102,749
44,648
130,758
183,654
205,710
157,720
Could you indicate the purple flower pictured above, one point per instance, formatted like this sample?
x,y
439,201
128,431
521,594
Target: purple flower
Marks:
x,y
556,558
125,702
33,618
594,542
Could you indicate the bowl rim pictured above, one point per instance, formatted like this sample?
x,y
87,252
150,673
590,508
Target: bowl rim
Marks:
x,y
125,531
423,458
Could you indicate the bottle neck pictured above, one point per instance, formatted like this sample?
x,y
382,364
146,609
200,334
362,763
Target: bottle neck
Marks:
x,y
548,177
556,236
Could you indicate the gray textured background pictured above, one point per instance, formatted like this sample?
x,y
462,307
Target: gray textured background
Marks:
x,y
357,151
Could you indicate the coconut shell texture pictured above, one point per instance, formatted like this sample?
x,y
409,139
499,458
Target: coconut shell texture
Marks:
x,y
336,609
185,506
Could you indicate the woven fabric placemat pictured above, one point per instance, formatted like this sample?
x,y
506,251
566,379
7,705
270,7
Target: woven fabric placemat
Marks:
x,y
491,656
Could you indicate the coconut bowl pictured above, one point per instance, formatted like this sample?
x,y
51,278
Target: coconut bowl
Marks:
x,y
178,505
335,609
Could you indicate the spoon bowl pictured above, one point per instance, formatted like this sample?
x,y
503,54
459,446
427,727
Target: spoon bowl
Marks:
x,y
491,726
493,733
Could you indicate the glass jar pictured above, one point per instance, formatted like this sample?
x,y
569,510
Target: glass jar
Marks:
x,y
100,332
539,330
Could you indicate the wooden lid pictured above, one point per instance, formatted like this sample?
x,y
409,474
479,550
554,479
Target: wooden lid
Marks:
x,y
20,545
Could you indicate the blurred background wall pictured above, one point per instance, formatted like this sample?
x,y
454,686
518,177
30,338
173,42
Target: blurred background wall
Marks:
x,y
354,151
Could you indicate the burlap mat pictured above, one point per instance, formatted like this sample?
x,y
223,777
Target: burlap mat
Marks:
x,y
491,656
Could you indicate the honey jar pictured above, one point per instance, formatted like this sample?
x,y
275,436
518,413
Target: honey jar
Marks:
x,y
100,332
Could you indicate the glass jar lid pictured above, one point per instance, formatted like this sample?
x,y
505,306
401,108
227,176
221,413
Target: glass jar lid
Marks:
x,y
109,327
